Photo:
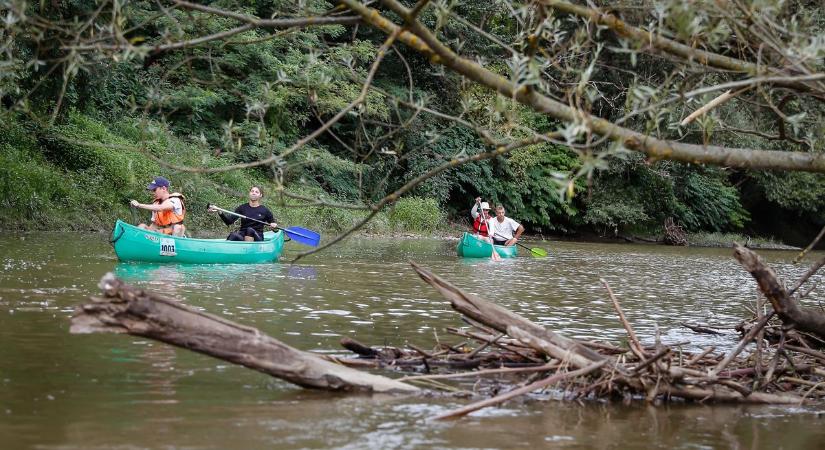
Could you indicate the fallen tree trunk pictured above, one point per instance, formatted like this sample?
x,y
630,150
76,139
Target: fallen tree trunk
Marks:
x,y
803,319
125,309
499,318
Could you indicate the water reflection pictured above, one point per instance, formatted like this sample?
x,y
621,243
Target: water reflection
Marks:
x,y
62,391
194,273
299,272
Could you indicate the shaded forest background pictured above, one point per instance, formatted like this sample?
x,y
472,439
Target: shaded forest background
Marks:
x,y
81,137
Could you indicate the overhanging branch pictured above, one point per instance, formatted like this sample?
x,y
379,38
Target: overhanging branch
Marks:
x,y
422,40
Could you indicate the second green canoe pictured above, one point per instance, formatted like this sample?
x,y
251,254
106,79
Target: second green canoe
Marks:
x,y
472,247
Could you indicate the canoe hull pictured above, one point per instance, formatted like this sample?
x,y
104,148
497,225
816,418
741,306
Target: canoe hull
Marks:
x,y
134,244
471,247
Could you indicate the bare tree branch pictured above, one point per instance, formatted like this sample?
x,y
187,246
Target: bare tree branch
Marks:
x,y
720,99
657,41
425,42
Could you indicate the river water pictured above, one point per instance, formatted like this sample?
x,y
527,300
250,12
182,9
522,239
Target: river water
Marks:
x,y
62,391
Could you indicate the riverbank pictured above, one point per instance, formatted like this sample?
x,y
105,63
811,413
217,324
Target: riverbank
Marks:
x,y
453,233
710,240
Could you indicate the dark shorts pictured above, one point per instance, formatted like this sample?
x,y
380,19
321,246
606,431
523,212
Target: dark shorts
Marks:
x,y
499,241
242,233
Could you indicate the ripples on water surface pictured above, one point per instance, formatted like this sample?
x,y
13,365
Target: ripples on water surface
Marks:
x,y
104,391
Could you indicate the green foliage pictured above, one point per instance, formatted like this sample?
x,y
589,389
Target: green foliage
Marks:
x,y
68,185
288,212
449,143
634,195
337,176
707,202
416,214
796,191
30,189
716,239
530,193
256,93
87,146
630,195
89,171
615,214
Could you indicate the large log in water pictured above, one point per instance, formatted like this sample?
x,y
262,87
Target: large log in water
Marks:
x,y
125,309
803,319
500,319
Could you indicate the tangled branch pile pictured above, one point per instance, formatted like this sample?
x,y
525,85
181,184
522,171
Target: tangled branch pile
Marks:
x,y
785,368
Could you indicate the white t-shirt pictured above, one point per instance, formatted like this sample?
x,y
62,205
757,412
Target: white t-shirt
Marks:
x,y
502,230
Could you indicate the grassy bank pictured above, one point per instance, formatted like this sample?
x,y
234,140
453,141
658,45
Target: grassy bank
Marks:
x,y
728,239
79,175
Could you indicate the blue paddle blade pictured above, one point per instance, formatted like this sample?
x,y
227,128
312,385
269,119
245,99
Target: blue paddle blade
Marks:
x,y
303,236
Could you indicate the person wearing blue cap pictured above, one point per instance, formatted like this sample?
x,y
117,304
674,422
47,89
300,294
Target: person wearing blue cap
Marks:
x,y
168,209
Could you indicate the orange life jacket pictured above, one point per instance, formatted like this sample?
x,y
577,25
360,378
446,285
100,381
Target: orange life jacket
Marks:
x,y
480,225
166,220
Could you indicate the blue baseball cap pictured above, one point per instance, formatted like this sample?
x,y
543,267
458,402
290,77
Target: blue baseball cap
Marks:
x,y
158,182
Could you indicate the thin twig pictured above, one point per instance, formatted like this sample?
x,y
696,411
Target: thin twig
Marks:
x,y
520,391
635,345
811,271
506,370
699,357
810,246
719,100
745,341
659,355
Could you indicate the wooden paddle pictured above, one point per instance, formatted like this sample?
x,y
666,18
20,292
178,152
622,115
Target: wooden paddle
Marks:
x,y
537,252
297,234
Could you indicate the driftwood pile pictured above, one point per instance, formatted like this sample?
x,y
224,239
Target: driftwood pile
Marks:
x,y
514,355
674,233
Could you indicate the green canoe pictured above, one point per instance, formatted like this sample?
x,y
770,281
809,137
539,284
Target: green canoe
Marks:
x,y
134,244
472,247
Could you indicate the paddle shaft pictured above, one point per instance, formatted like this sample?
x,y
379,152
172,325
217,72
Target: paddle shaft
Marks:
x,y
484,217
236,214
297,234
534,251
505,239
495,256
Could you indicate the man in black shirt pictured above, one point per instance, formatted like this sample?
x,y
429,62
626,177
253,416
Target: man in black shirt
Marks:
x,y
249,230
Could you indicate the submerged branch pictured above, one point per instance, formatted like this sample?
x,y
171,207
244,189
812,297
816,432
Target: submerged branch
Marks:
x,y
558,377
125,309
803,319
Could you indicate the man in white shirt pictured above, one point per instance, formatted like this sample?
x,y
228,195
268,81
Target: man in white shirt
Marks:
x,y
504,230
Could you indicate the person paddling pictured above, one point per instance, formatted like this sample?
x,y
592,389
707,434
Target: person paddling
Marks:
x,y
250,230
168,209
480,214
481,227
504,230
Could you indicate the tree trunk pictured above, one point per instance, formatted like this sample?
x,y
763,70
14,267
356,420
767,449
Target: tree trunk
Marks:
x,y
803,319
125,309
500,318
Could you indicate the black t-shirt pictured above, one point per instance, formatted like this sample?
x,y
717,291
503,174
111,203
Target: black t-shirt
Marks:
x,y
261,213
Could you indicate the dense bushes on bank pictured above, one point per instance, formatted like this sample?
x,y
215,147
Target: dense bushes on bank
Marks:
x,y
75,166
81,173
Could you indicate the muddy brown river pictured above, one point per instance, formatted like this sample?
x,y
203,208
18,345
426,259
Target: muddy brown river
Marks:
x,y
63,391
